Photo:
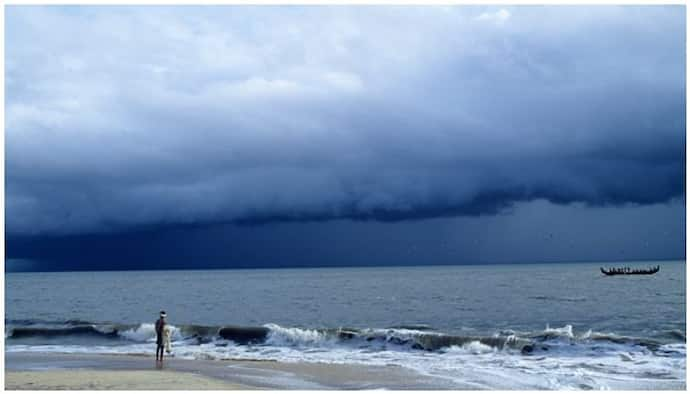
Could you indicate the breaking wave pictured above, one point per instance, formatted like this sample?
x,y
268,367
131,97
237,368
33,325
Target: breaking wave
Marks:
x,y
572,359
419,338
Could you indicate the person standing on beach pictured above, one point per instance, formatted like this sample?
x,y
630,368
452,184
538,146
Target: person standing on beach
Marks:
x,y
160,327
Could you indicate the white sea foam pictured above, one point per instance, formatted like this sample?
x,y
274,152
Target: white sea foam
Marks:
x,y
474,347
566,331
571,361
472,365
146,332
289,336
142,333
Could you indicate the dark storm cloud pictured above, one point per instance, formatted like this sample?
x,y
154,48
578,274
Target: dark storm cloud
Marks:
x,y
536,231
129,117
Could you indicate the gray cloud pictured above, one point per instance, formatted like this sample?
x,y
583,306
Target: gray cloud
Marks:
x,y
120,117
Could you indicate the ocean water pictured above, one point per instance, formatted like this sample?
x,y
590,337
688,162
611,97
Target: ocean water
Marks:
x,y
544,326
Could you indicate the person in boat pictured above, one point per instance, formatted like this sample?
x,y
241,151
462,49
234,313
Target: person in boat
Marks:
x,y
160,336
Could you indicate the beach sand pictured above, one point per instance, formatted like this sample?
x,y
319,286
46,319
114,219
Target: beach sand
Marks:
x,y
58,371
114,380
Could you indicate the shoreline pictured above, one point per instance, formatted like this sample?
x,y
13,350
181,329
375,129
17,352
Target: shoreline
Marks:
x,y
93,379
90,371
69,371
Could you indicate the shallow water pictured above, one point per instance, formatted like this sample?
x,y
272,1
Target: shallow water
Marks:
x,y
493,326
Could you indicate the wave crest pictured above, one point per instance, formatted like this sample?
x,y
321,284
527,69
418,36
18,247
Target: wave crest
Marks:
x,y
401,339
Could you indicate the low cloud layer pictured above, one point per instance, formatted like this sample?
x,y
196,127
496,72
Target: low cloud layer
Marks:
x,y
122,117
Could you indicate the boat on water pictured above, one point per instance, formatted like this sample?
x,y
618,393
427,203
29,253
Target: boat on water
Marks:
x,y
628,271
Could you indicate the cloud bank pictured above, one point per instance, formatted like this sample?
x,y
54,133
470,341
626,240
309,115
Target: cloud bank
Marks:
x,y
119,117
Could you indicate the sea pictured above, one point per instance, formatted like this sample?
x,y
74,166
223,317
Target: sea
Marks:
x,y
517,326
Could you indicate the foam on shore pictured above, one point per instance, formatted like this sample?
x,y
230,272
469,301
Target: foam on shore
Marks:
x,y
552,358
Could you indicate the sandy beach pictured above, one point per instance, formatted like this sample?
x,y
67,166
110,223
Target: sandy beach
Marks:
x,y
114,380
62,371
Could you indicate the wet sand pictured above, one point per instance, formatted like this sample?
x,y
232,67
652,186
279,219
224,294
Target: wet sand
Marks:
x,y
113,380
48,371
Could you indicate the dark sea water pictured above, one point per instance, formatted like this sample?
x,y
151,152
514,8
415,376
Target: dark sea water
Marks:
x,y
492,326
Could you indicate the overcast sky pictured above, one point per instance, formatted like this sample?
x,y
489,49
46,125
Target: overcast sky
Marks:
x,y
140,137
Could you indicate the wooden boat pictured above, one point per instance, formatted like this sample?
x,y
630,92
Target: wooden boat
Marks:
x,y
628,271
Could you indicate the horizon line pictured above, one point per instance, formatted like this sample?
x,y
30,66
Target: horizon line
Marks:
x,y
683,259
